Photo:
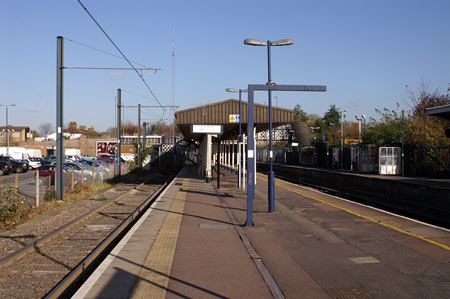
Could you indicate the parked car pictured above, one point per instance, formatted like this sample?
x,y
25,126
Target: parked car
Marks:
x,y
5,168
87,157
72,157
49,160
47,170
34,163
18,166
106,158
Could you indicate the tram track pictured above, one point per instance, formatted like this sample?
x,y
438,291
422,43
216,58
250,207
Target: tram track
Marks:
x,y
63,254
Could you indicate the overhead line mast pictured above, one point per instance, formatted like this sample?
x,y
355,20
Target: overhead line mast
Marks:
x,y
173,84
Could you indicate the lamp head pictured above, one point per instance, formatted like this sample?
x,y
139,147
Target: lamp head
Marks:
x,y
255,42
282,42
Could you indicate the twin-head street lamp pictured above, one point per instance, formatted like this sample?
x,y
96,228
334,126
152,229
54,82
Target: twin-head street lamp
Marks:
x,y
6,126
268,44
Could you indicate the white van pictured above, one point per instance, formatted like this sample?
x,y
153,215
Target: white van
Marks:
x,y
15,152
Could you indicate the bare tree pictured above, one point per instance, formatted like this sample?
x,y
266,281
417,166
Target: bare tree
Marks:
x,y
45,129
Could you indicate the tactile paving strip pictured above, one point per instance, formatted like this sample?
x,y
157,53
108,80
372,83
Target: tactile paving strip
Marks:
x,y
154,277
349,293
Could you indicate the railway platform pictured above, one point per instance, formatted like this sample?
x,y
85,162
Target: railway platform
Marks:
x,y
191,244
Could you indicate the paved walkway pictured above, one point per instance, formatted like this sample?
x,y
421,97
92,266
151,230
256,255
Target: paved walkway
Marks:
x,y
190,245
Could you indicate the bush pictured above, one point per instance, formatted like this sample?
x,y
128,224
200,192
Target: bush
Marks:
x,y
13,207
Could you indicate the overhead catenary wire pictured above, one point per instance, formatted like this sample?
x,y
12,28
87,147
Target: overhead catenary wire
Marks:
x,y
102,51
121,53
142,96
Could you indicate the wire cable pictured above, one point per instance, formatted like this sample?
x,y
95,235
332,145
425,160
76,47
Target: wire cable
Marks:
x,y
121,53
139,95
102,51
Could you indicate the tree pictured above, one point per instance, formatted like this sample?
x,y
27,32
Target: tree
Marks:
x,y
425,129
129,128
45,129
387,129
299,114
332,116
35,133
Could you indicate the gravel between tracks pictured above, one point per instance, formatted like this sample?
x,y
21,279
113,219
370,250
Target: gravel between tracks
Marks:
x,y
26,233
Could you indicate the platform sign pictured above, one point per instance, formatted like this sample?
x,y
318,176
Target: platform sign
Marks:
x,y
206,129
352,141
234,118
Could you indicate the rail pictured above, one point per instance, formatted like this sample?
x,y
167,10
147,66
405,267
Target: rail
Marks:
x,y
65,284
20,253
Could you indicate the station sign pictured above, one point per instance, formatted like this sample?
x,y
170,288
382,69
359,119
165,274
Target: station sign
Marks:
x,y
206,129
234,118
352,141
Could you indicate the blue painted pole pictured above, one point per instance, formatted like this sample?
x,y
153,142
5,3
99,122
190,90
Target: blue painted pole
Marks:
x,y
271,185
403,142
250,160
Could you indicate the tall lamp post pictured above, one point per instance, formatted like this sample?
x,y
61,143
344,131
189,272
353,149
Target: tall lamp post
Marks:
x,y
6,126
403,139
268,44
342,137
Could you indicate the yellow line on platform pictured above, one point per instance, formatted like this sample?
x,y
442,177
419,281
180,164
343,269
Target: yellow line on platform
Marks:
x,y
363,216
154,277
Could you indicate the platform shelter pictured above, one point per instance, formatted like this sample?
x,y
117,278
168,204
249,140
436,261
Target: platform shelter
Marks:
x,y
215,130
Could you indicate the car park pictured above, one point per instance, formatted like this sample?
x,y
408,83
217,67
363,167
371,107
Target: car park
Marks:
x,y
18,166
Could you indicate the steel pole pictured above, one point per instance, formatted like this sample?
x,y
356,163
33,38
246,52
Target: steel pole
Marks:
x,y
271,185
342,140
6,132
403,143
144,137
139,136
59,116
218,162
250,160
119,130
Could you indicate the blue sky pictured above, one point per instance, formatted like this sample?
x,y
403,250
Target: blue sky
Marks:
x,y
364,51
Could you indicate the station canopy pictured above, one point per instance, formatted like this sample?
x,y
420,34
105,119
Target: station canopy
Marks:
x,y
223,113
441,111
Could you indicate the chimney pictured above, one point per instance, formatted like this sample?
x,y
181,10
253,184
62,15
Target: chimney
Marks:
x,y
82,127
91,129
73,124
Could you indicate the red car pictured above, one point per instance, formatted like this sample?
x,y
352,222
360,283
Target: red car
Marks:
x,y
47,170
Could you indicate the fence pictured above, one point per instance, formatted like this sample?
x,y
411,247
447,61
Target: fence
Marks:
x,y
36,187
427,161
